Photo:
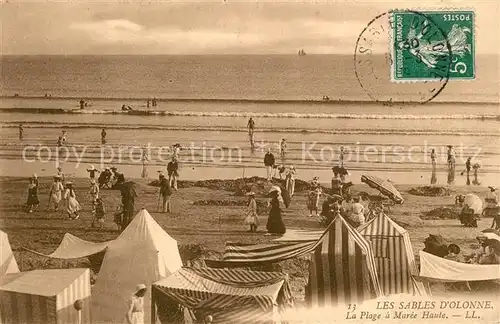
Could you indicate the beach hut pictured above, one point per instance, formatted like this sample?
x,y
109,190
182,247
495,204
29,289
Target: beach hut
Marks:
x,y
228,295
393,256
46,296
342,268
143,253
8,262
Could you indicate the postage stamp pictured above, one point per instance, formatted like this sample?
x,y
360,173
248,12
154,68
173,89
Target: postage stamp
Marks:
x,y
431,45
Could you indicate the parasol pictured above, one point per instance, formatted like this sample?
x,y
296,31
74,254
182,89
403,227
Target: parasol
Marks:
x,y
384,186
473,202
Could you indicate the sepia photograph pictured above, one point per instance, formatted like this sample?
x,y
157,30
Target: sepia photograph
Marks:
x,y
256,161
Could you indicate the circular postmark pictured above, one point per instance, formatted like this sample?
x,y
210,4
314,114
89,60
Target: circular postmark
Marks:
x,y
402,57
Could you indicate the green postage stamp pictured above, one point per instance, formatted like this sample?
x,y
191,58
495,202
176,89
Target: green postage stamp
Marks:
x,y
432,45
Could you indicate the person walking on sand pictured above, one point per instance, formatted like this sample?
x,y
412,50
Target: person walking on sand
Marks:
x,y
21,132
433,163
269,162
94,193
173,174
103,136
56,190
135,312
60,173
313,200
98,220
251,129
290,180
275,225
32,201
451,165
252,218
92,171
72,205
144,159
468,166
165,194
283,150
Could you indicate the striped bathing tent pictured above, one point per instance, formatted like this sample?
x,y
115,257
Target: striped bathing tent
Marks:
x,y
45,296
394,256
228,295
342,268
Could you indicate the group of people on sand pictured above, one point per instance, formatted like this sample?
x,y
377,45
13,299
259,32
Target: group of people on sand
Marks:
x,y
451,165
64,191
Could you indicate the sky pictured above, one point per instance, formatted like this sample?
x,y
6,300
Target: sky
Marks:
x,y
210,27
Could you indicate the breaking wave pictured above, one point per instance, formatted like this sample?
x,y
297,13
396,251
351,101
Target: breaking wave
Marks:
x,y
248,114
197,128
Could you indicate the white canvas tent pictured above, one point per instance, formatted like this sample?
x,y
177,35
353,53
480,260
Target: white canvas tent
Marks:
x,y
143,253
8,262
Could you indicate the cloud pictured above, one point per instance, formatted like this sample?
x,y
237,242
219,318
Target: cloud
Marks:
x,y
234,34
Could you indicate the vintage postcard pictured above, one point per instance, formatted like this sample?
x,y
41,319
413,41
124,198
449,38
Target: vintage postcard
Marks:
x,y
250,161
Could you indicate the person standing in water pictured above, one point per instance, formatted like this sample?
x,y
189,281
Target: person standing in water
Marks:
x,y
154,102
144,159
476,167
147,103
21,132
451,165
82,103
251,129
103,136
433,163
468,165
135,312
283,150
341,157
64,133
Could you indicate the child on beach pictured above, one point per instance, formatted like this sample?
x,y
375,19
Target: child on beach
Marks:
x,y
252,218
56,191
313,200
32,201
99,214
94,193
290,180
72,205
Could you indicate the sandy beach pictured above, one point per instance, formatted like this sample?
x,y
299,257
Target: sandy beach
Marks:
x,y
202,230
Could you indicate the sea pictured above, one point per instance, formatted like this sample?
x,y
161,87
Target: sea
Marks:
x,y
204,103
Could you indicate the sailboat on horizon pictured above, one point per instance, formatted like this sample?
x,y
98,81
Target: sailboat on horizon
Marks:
x,y
302,52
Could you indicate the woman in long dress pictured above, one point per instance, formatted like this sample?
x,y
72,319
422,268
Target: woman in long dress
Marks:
x,y
252,218
290,181
275,225
135,312
33,200
72,205
433,162
56,191
451,165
